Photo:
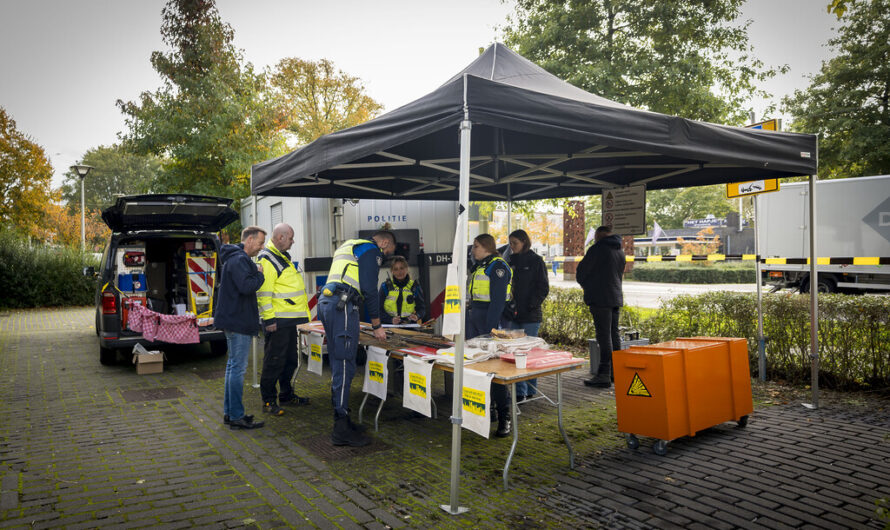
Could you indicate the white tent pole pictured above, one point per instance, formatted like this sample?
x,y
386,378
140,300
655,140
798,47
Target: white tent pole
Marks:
x,y
761,343
814,296
458,387
253,340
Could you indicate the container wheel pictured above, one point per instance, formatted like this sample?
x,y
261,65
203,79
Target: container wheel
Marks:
x,y
660,447
632,441
743,420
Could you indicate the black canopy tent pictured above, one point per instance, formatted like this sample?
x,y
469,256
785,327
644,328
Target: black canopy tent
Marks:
x,y
533,136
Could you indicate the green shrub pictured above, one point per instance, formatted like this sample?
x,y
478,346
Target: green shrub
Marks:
x,y
673,272
854,331
41,276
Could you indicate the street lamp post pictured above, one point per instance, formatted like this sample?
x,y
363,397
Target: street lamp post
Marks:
x,y
82,171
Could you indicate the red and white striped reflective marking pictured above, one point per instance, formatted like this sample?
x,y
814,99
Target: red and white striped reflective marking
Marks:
x,y
202,271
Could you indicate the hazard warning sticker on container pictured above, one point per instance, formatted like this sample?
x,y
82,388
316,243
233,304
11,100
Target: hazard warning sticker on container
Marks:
x,y
637,387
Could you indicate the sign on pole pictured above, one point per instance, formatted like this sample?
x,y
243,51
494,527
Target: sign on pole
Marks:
x,y
624,209
768,125
744,189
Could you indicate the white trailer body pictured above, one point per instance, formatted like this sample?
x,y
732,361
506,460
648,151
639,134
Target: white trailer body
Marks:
x,y
853,217
321,225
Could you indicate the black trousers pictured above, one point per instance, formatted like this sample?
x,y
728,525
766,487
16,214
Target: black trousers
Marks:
x,y
605,320
279,363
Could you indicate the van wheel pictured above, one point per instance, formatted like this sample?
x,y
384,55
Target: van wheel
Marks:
x,y
107,356
218,348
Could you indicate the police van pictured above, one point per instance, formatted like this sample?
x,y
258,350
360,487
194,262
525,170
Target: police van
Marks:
x,y
162,255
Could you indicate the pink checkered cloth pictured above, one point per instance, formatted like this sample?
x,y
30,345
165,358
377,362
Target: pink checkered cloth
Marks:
x,y
176,329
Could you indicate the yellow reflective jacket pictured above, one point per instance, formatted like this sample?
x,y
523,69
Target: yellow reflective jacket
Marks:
x,y
283,294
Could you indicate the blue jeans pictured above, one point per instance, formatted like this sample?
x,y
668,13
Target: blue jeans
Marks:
x,y
527,388
239,347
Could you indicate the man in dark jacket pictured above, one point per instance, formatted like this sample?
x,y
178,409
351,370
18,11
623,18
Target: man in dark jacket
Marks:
x,y
600,274
238,314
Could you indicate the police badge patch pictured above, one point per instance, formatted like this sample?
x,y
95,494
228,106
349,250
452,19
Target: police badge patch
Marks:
x,y
379,260
500,273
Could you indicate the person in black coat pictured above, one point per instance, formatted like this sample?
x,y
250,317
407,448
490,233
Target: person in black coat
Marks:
x,y
530,289
600,274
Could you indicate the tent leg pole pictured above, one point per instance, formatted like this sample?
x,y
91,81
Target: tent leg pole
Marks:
x,y
761,341
814,298
457,389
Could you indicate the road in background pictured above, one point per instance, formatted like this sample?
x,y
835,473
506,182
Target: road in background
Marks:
x,y
650,294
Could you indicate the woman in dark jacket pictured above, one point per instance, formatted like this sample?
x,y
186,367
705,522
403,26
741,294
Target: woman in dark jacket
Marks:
x,y
530,289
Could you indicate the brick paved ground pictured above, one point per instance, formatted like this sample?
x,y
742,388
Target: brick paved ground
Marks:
x,y
83,445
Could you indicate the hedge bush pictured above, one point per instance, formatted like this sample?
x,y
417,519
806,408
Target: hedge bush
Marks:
x,y
42,276
673,272
854,331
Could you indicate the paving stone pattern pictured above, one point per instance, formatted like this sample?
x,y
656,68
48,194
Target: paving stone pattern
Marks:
x,y
75,453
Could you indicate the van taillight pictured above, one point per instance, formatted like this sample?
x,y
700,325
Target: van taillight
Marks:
x,y
109,304
776,274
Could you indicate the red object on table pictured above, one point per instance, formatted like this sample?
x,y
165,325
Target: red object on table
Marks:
x,y
540,358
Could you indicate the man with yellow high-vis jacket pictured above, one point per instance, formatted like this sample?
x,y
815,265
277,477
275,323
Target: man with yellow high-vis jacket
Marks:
x,y
283,306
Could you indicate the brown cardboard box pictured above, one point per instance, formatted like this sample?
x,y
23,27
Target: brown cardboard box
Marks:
x,y
149,363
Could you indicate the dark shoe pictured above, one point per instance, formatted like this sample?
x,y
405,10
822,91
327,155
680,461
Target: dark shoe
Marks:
x,y
294,401
599,381
357,427
273,409
228,420
504,429
520,399
343,435
245,423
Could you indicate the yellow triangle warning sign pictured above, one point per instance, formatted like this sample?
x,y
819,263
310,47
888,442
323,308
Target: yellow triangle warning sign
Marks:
x,y
637,388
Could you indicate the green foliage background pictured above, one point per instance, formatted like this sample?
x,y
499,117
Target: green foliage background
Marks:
x,y
667,272
42,276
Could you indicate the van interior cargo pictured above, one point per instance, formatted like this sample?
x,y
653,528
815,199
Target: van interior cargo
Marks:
x,y
157,269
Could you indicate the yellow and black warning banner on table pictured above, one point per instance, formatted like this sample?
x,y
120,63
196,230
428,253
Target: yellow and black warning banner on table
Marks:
x,y
859,260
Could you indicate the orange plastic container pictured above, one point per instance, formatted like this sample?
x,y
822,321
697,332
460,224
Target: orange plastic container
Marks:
x,y
678,388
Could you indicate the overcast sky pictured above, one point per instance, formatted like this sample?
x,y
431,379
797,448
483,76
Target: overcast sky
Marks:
x,y
64,63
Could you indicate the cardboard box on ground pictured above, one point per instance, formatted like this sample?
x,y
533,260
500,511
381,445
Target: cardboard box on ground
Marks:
x,y
148,362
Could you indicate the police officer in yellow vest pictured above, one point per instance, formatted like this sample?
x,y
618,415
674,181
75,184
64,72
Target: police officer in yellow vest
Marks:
x,y
401,297
489,291
352,283
283,306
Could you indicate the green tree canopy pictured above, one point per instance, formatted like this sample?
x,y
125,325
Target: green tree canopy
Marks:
x,y
25,177
318,99
680,58
671,207
212,118
848,101
116,171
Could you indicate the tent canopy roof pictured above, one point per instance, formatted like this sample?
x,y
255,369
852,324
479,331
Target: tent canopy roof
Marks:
x,y
534,136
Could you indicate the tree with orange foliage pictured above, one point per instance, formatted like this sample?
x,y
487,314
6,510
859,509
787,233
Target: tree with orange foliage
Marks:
x,y
62,227
25,176
705,243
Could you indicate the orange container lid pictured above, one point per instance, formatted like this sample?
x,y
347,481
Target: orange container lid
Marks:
x,y
684,344
649,350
